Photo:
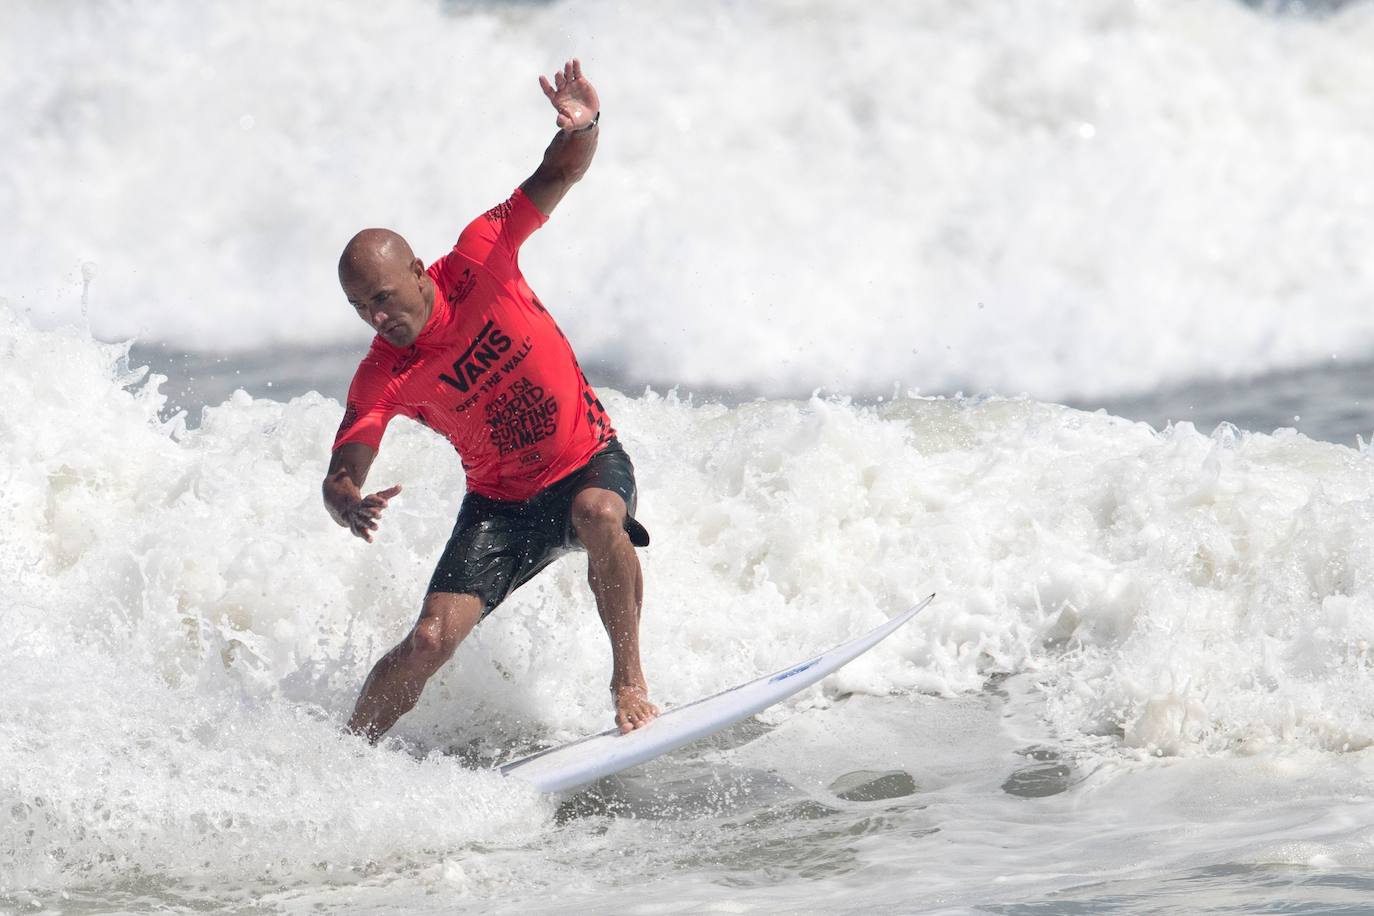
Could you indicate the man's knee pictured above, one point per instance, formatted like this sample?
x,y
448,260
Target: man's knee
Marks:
x,y
431,643
446,620
598,515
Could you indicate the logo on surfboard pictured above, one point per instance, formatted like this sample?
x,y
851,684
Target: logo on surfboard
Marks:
x,y
782,676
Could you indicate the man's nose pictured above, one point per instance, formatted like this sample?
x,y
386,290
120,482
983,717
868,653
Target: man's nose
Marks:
x,y
379,316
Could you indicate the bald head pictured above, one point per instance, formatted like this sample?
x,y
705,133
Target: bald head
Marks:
x,y
371,250
387,285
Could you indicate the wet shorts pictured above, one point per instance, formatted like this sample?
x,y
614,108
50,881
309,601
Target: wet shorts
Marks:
x,y
498,545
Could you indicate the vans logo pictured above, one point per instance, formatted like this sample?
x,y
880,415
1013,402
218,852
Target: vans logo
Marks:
x,y
481,355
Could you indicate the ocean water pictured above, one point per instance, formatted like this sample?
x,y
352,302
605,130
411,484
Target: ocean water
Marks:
x,y
1062,311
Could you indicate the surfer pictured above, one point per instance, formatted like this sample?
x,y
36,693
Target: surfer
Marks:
x,y
466,348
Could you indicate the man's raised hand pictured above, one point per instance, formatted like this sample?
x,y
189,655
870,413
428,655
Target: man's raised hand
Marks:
x,y
572,96
362,516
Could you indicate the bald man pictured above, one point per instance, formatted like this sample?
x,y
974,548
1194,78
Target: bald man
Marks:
x,y
466,348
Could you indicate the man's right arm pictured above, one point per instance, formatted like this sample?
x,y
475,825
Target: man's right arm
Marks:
x,y
570,154
343,493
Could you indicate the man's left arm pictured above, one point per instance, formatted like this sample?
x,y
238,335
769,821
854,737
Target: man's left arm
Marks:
x,y
570,154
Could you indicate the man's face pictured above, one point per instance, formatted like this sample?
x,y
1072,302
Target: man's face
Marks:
x,y
392,296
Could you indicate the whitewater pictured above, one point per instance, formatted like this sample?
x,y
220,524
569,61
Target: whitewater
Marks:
x,y
1151,655
853,283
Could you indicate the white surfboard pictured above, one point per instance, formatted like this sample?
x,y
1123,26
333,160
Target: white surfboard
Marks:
x,y
588,759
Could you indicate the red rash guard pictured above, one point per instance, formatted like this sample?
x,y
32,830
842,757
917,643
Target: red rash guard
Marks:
x,y
491,371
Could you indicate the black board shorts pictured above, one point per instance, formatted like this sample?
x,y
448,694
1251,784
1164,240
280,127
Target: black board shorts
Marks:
x,y
499,545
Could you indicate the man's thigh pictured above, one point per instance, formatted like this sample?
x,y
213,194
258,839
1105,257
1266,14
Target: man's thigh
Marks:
x,y
494,549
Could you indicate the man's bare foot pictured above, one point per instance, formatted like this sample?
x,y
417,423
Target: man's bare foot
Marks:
x,y
633,708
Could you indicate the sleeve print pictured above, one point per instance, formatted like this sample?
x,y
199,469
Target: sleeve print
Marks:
x,y
367,412
515,220
496,236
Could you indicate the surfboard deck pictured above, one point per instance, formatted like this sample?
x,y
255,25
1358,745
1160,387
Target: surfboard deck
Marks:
x,y
589,759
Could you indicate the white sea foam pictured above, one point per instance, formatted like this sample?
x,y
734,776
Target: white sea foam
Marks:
x,y
185,628
1065,199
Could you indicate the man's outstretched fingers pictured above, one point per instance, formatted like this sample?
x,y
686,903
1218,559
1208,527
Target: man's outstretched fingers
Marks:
x,y
373,504
362,518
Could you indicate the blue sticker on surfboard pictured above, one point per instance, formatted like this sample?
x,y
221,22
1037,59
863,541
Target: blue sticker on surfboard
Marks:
x,y
790,672
589,759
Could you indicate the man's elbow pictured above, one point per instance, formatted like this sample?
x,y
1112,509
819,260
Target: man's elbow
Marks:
x,y
559,178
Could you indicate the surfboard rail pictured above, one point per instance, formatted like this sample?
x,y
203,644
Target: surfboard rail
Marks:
x,y
588,759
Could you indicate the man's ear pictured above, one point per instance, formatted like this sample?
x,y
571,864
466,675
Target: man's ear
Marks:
x,y
417,267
